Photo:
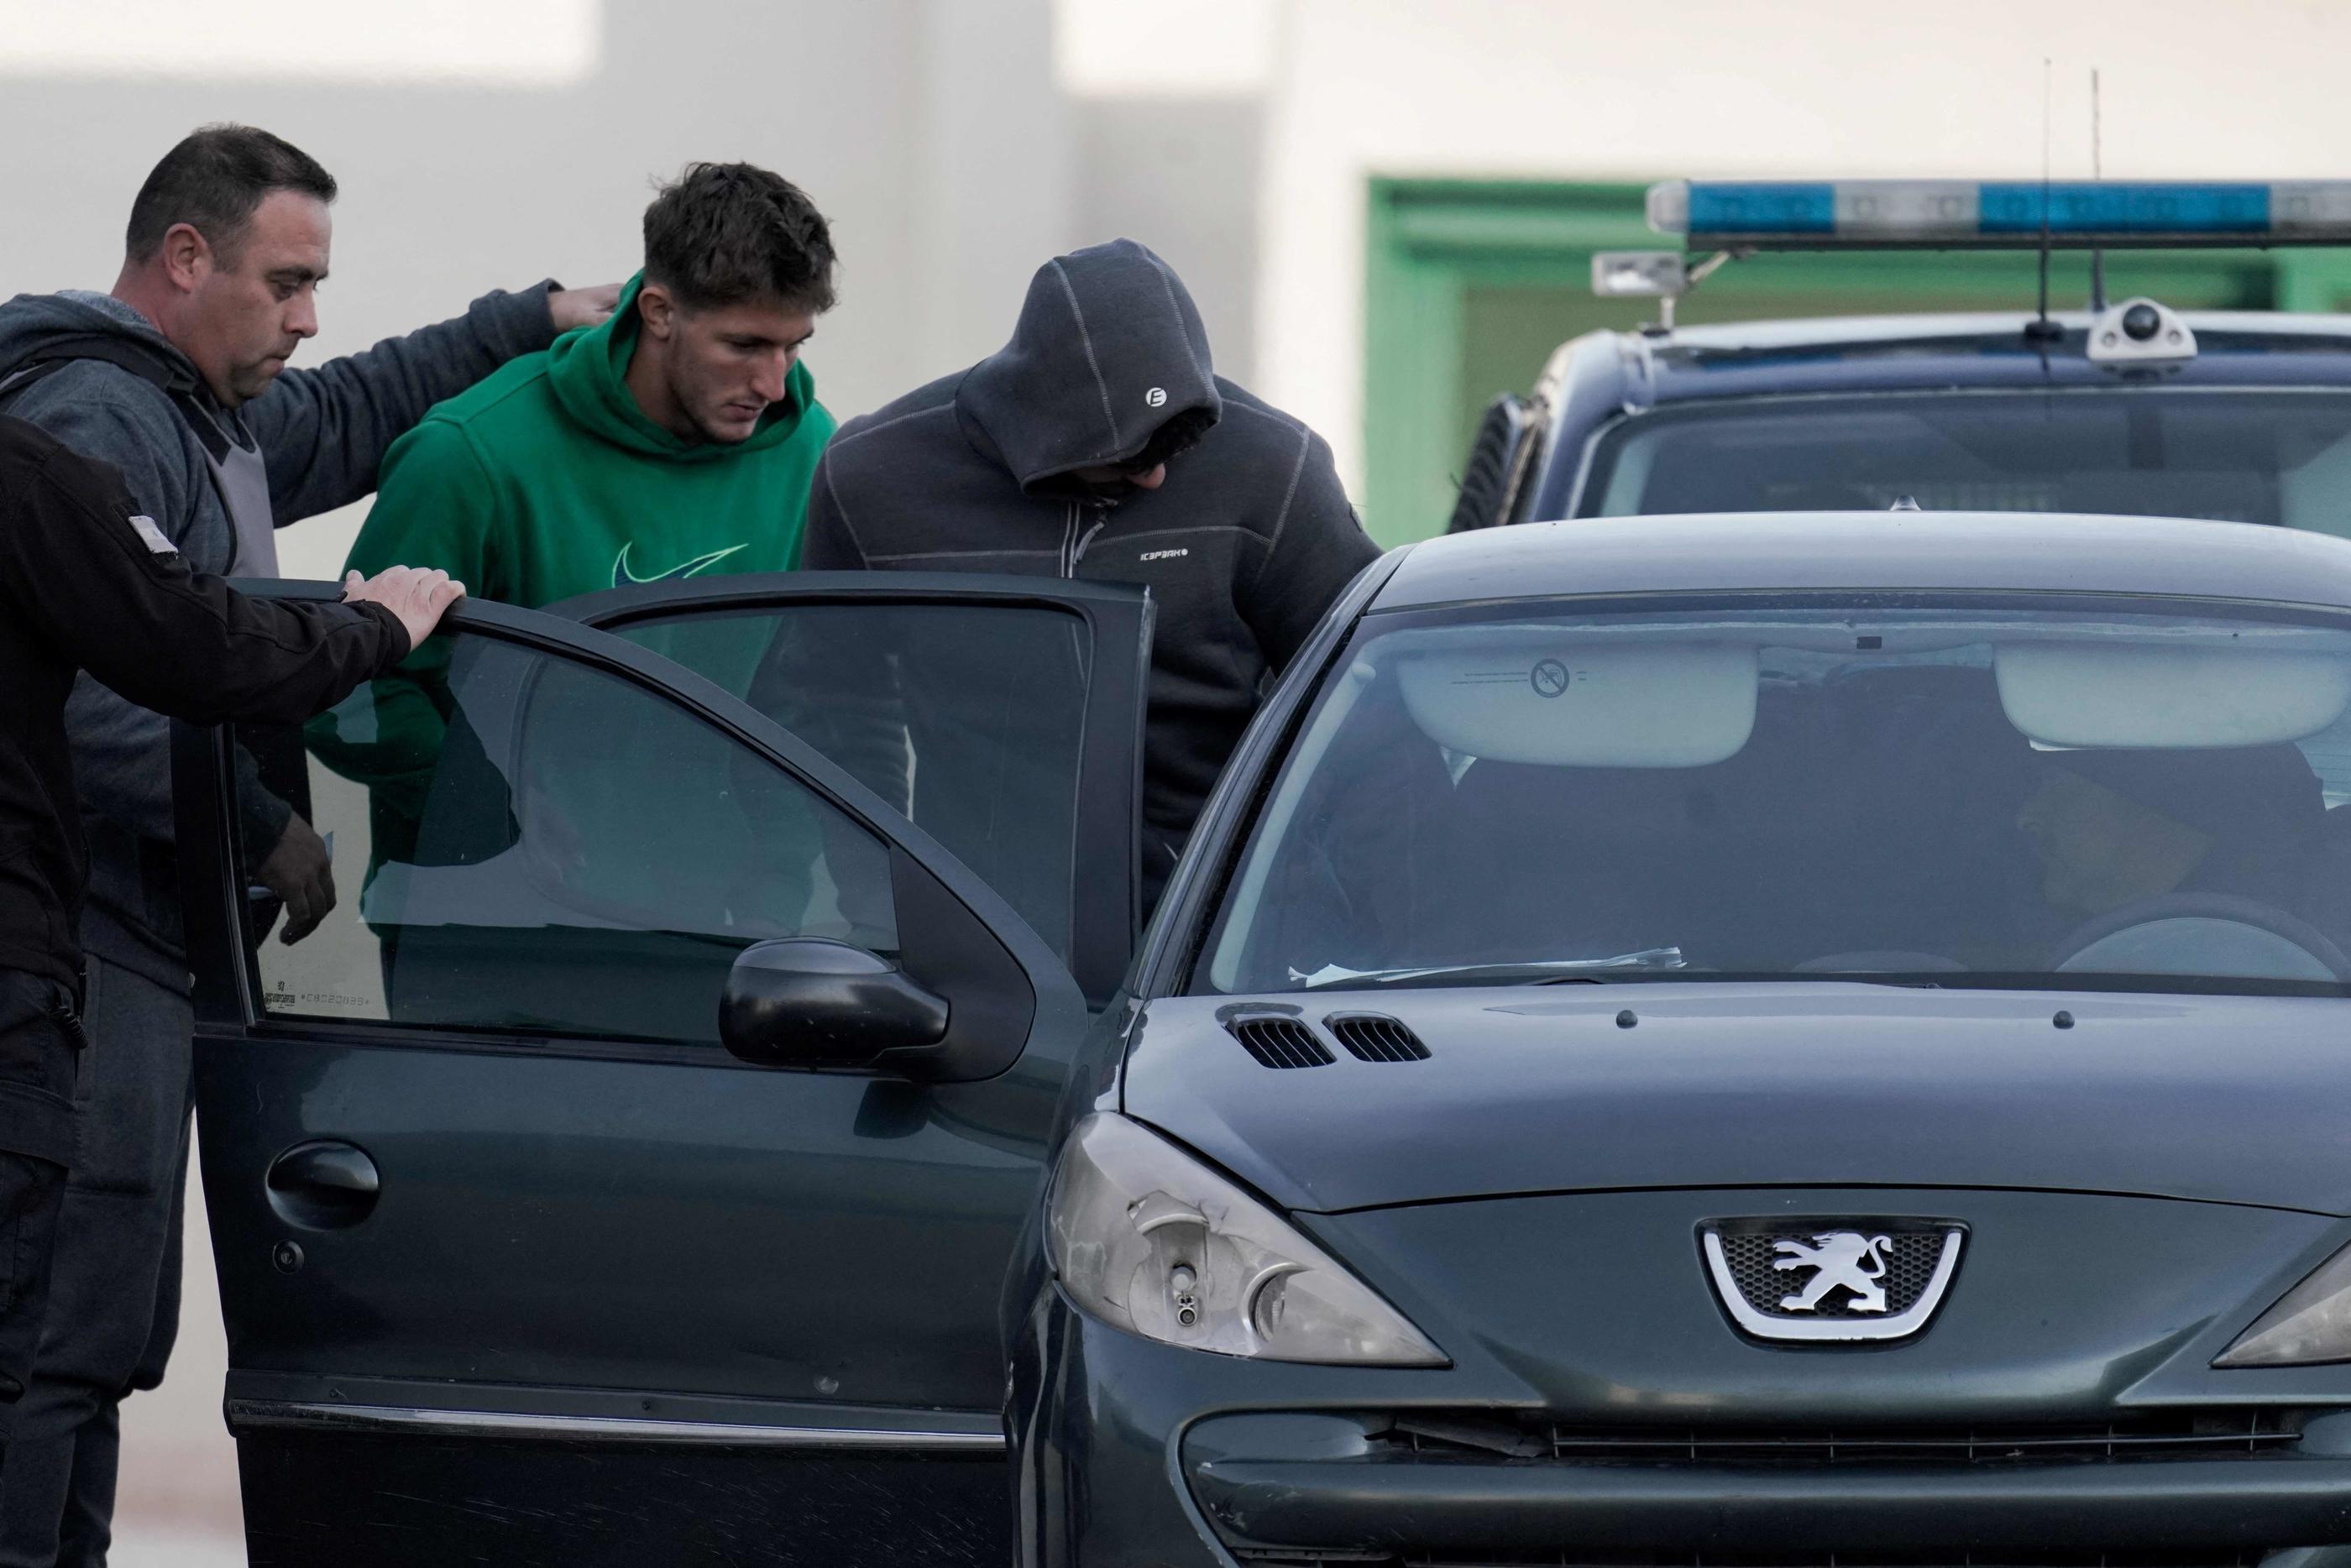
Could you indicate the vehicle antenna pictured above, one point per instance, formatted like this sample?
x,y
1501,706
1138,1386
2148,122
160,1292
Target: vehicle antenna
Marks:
x,y
2040,330
2097,171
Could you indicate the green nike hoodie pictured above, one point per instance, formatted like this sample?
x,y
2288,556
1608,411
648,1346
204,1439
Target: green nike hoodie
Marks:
x,y
546,480
541,481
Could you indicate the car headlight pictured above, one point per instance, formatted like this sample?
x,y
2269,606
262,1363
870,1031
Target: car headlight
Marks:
x,y
1152,1241
2310,1323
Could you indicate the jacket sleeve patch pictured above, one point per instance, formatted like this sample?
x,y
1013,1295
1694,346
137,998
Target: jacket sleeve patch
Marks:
x,y
152,537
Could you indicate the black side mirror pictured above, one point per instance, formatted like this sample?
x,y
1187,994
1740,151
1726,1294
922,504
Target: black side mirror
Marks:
x,y
812,1003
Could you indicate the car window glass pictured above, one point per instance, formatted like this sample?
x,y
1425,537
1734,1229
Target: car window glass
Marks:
x,y
522,844
2157,797
969,720
2233,456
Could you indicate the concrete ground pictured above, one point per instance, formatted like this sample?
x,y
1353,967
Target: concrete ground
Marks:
x,y
177,1507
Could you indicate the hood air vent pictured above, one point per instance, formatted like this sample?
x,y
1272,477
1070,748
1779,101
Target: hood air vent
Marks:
x,y
1279,1041
1371,1037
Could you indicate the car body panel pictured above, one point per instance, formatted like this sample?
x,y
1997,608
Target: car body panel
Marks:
x,y
657,1227
2235,1099
360,1502
592,1262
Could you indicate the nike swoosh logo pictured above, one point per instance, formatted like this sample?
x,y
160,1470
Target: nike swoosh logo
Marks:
x,y
623,578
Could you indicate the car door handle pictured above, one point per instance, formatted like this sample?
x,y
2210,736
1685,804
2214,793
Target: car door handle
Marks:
x,y
323,1185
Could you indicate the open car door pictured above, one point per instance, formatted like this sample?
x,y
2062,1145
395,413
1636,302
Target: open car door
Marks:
x,y
981,707
528,1250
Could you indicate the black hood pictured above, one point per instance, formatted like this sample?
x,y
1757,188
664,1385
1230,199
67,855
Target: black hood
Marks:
x,y
1108,355
2229,1100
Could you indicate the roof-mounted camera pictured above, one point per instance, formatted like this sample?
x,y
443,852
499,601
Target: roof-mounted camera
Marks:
x,y
2140,331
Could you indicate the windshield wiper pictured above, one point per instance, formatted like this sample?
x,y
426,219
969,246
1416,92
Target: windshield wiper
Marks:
x,y
1536,971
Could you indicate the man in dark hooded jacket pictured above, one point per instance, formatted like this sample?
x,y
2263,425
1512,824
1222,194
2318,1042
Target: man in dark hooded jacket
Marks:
x,y
1099,443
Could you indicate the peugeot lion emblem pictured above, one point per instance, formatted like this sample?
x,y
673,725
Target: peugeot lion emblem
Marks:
x,y
1838,1260
1827,1281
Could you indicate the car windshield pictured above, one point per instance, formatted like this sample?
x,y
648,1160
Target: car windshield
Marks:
x,y
1995,791
2280,458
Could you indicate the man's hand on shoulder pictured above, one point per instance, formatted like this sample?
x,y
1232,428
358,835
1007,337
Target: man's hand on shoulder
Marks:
x,y
571,307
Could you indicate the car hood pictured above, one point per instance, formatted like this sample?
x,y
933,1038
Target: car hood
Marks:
x,y
1530,1089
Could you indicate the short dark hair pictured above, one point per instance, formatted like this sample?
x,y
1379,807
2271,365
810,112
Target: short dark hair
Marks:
x,y
214,181
721,234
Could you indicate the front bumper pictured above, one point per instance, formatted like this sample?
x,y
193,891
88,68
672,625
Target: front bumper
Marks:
x,y
1117,1466
1130,1454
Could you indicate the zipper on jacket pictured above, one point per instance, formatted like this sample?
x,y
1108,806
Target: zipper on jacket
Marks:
x,y
1077,548
1069,540
68,1018
1087,538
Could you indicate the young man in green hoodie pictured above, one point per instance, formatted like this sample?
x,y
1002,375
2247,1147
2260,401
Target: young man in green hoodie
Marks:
x,y
676,439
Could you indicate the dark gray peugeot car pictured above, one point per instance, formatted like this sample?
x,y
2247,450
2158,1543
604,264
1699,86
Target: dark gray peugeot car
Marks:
x,y
1797,1039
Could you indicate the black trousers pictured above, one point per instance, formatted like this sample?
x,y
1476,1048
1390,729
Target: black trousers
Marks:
x,y
40,1030
114,1274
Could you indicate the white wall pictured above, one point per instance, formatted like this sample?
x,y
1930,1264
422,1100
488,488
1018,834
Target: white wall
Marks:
x,y
931,132
1599,89
1169,105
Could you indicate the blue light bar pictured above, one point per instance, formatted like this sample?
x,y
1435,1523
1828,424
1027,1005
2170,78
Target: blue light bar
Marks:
x,y
2008,214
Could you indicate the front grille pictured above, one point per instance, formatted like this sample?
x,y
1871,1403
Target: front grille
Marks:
x,y
1280,1041
2202,1434
1472,1437
1911,1259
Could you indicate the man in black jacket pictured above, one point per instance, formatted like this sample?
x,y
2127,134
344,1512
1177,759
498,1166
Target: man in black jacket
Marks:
x,y
178,376
88,582
1099,443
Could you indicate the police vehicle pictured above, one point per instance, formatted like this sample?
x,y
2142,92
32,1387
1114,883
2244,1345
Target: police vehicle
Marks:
x,y
2127,407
